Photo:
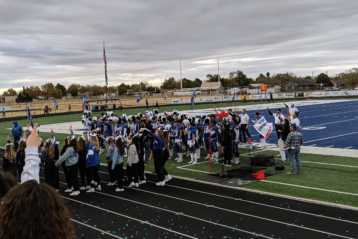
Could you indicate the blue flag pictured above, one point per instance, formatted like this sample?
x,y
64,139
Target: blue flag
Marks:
x,y
192,99
25,105
233,98
166,95
29,117
138,98
84,100
55,103
111,99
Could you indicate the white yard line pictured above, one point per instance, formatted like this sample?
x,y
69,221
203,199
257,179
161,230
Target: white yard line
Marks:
x,y
329,137
319,189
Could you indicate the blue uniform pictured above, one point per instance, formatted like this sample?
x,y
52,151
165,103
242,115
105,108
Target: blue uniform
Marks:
x,y
235,135
214,139
191,139
178,144
206,135
197,132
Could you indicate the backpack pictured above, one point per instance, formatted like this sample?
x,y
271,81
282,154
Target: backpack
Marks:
x,y
263,160
279,167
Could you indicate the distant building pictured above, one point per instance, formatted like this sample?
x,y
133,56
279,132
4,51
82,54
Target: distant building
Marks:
x,y
211,87
297,86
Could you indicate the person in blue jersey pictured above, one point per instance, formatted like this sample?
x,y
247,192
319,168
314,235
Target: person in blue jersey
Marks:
x,y
158,144
117,129
136,124
89,124
191,143
124,129
185,125
92,163
206,136
109,129
235,139
154,122
262,137
213,141
197,138
170,122
178,134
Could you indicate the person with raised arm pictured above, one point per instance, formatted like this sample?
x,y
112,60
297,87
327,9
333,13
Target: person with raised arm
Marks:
x,y
158,143
92,162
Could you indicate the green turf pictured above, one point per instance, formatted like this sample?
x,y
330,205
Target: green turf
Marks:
x,y
328,177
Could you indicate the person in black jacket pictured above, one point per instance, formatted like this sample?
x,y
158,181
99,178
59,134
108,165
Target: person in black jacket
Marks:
x,y
284,132
9,158
82,162
226,143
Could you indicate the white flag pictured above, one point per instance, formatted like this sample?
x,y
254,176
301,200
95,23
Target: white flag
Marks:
x,y
263,127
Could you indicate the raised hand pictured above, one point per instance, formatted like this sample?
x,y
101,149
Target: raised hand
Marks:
x,y
34,138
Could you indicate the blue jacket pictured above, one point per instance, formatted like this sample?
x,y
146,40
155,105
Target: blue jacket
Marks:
x,y
109,154
17,130
117,158
157,141
92,158
69,156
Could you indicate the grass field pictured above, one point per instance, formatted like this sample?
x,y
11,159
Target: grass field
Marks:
x,y
326,178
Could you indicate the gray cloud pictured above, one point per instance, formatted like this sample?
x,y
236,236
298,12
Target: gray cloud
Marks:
x,y
61,41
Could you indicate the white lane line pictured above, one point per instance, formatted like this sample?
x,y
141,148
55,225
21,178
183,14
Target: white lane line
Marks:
x,y
242,200
319,189
185,215
312,145
236,212
330,146
329,137
103,232
188,165
334,122
339,165
349,147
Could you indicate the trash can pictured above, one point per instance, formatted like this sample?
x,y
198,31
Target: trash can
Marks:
x,y
94,107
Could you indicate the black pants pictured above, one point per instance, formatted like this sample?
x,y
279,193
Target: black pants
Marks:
x,y
157,106
277,128
72,175
158,163
50,174
92,174
141,166
147,105
240,134
82,168
244,130
64,168
227,155
20,168
111,172
271,99
165,158
16,142
118,173
132,171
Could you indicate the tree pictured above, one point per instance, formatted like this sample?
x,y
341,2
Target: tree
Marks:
x,y
323,78
36,89
62,88
48,89
23,97
198,81
150,89
31,93
240,78
111,89
10,92
170,83
122,90
73,89
135,88
97,90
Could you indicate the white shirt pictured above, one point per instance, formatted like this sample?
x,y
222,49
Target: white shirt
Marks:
x,y
292,110
278,117
244,118
295,121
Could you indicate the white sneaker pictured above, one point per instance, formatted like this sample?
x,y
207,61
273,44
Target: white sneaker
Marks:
x,y
180,161
88,188
83,188
142,182
176,159
110,184
194,163
68,190
144,176
187,155
75,193
160,183
92,182
136,185
191,161
125,156
170,157
99,188
90,191
131,185
207,157
168,178
95,183
119,189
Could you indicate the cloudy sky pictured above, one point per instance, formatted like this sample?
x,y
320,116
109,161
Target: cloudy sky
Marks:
x,y
61,41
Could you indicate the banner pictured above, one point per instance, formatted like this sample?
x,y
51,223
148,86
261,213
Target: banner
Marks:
x,y
209,99
175,101
263,127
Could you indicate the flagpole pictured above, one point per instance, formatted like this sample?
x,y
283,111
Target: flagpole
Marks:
x,y
181,78
105,75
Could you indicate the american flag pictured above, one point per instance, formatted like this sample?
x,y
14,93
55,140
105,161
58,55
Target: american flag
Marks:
x,y
105,63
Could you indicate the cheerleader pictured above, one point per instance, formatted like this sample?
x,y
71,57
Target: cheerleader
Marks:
x,y
158,155
81,145
132,161
20,157
9,158
166,155
64,168
92,163
109,157
48,157
117,164
70,157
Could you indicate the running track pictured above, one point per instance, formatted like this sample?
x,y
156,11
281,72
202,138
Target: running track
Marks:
x,y
187,209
